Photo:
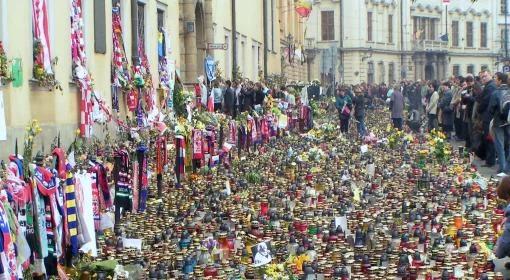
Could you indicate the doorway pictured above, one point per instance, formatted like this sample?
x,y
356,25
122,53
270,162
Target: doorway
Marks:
x,y
429,72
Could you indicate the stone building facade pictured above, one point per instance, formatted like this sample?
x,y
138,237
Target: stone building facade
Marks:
x,y
264,30
385,40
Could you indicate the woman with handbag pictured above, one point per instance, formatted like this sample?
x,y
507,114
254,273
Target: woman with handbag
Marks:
x,y
344,106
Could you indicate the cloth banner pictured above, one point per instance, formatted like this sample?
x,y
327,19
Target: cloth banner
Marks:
x,y
210,68
40,22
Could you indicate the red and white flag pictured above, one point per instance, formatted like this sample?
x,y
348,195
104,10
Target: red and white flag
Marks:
x,y
41,33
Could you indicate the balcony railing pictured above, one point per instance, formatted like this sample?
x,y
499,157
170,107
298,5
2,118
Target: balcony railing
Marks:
x,y
429,45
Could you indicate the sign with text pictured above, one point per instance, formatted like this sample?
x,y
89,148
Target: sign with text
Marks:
x,y
217,46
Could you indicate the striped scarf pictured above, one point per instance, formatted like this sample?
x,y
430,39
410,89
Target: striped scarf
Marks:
x,y
142,177
7,242
136,191
81,73
161,155
70,210
180,154
40,22
123,188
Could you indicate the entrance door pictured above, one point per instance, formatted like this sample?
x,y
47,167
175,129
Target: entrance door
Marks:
x,y
429,72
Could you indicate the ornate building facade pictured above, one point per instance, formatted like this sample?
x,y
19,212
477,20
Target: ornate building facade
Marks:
x,y
386,40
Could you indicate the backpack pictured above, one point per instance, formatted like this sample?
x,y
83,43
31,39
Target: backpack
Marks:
x,y
504,105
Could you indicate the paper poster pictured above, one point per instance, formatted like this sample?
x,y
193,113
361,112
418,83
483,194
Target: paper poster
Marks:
x,y
132,243
3,127
342,222
282,121
17,73
261,254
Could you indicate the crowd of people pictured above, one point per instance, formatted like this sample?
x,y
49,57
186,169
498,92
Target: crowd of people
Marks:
x,y
234,97
472,109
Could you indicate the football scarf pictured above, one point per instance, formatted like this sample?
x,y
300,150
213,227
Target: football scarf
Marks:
x,y
71,214
142,177
179,157
122,181
7,243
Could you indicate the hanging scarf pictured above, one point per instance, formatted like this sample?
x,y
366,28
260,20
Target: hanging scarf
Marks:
x,y
81,74
232,128
71,214
40,30
142,177
136,190
180,154
101,182
120,67
198,153
123,189
161,155
264,129
7,245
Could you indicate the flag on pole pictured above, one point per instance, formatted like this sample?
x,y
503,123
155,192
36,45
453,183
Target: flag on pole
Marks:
x,y
446,2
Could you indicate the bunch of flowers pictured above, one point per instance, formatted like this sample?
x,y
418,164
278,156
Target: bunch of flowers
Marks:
x,y
31,131
4,69
395,137
438,146
279,272
43,77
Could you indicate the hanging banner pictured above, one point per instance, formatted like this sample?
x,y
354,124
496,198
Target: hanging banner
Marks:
x,y
210,68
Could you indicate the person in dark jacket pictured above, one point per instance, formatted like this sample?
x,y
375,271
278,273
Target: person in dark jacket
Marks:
x,y
343,104
248,98
500,127
229,99
259,94
502,248
359,110
446,109
487,143
467,103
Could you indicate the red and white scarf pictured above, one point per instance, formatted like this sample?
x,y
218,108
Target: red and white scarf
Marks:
x,y
81,73
40,22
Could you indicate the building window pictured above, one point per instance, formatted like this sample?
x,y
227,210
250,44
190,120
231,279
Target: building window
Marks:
x,y
456,70
432,28
369,26
243,57
161,30
503,7
455,33
390,28
483,35
328,25
391,72
484,68
471,69
469,34
370,73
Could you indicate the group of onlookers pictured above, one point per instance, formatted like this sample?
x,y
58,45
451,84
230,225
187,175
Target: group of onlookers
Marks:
x,y
238,96
472,109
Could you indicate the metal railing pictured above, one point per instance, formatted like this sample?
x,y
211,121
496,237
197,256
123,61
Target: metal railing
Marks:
x,y
429,45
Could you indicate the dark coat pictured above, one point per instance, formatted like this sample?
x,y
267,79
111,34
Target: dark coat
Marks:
x,y
359,106
483,102
447,111
229,100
